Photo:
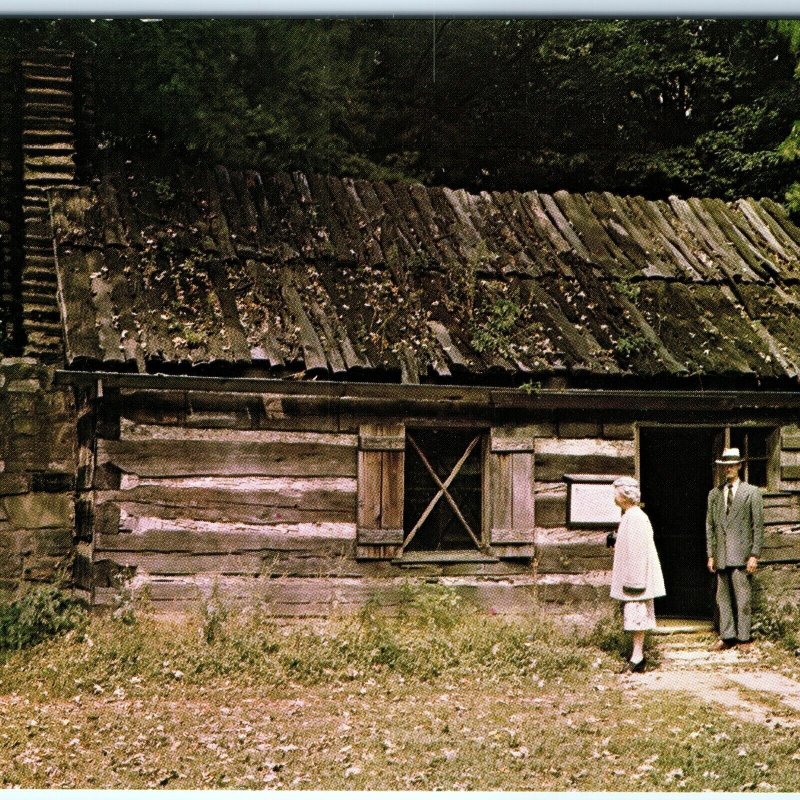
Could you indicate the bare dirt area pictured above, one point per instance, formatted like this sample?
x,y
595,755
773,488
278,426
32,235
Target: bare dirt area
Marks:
x,y
746,684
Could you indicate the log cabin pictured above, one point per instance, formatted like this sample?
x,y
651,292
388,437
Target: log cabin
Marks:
x,y
305,390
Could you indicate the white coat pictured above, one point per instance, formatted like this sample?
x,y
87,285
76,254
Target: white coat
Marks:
x,y
636,564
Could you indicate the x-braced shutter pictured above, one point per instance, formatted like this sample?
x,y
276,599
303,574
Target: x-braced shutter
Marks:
x,y
509,492
381,465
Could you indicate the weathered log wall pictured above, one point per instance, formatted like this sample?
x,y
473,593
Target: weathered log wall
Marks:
x,y
194,486
781,528
254,494
188,490
790,458
782,505
574,563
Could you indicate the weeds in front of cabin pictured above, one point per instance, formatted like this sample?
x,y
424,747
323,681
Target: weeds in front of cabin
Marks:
x,y
41,613
214,615
433,632
775,618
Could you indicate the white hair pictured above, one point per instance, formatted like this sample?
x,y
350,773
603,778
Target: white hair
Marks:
x,y
628,488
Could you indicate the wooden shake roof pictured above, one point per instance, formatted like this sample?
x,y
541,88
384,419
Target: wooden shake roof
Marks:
x,y
333,276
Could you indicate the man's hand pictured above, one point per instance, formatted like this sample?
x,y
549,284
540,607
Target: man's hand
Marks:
x,y
752,565
711,564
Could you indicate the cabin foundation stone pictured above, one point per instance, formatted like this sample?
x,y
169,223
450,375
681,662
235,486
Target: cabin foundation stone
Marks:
x,y
38,427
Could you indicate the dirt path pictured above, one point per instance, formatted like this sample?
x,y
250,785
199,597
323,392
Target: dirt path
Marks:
x,y
739,681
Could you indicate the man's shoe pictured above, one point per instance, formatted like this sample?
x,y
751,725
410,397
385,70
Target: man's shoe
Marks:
x,y
722,644
745,645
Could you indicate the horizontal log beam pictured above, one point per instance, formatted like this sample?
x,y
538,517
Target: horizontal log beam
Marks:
x,y
168,592
572,558
271,564
586,447
781,546
782,515
780,499
564,536
131,431
318,597
186,564
304,494
444,557
233,513
163,458
193,527
552,467
177,541
636,401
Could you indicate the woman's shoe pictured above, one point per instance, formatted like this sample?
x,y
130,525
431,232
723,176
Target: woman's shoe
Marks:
x,y
631,667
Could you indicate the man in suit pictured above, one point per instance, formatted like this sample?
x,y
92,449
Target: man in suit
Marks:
x,y
734,537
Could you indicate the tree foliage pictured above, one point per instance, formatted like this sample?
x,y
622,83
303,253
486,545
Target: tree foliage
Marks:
x,y
271,93
647,106
790,147
652,106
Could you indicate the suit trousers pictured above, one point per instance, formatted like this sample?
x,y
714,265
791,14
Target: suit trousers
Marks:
x,y
734,603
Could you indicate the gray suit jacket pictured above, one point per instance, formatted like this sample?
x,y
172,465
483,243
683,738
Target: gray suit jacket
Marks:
x,y
733,537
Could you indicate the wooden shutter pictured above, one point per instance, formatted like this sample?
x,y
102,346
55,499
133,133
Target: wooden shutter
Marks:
x,y
789,458
782,498
508,492
381,465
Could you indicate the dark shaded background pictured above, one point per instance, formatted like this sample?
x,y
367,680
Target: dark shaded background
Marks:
x,y
629,106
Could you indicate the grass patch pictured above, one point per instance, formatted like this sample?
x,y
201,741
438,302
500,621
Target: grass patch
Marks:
x,y
437,697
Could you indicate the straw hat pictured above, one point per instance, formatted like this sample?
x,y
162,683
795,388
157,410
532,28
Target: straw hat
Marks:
x,y
730,455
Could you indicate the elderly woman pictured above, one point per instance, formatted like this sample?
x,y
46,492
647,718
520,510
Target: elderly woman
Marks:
x,y
636,577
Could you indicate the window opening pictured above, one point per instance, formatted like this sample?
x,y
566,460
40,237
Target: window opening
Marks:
x,y
442,490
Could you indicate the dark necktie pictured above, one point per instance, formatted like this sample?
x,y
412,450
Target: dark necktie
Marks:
x,y
728,497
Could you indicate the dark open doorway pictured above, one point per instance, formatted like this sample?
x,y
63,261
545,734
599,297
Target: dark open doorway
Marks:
x,y
676,476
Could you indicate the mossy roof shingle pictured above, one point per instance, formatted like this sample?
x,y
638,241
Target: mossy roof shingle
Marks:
x,y
334,276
